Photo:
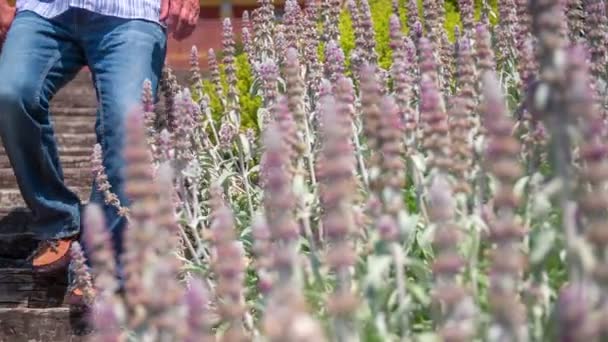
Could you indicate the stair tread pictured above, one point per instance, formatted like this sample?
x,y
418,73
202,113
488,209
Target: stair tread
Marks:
x,y
32,307
48,324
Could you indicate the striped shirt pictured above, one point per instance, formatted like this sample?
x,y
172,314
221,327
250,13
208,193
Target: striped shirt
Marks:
x,y
128,9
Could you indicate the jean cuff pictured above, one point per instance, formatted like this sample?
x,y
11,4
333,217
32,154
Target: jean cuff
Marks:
x,y
56,231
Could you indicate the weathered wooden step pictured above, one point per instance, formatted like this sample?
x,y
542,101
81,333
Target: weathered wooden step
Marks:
x,y
42,325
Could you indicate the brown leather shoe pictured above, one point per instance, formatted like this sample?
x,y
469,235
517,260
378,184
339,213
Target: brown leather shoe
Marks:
x,y
52,256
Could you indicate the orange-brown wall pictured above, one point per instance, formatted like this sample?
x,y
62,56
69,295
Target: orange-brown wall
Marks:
x,y
208,34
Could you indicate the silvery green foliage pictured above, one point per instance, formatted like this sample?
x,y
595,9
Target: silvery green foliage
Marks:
x,y
448,197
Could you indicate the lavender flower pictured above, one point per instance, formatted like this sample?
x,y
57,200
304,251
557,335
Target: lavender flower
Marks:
x,y
461,120
334,62
576,19
166,317
246,22
412,19
330,10
369,94
280,43
401,72
336,190
195,70
428,61
576,322
227,134
524,20
279,205
262,250
418,32
138,171
392,152
248,44
289,130
467,14
368,33
228,265
483,50
596,29
143,192
229,49
164,146
293,20
460,125
269,72
446,57
97,239
150,117
166,216
287,319
527,64
506,32
197,301
169,88
263,27
507,262
103,183
466,75
433,21
295,89
186,126
215,73
106,323
457,310
82,277
358,54
285,306
403,79
433,117
591,193
311,58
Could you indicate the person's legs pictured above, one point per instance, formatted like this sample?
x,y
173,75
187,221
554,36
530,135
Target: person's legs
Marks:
x,y
38,58
121,54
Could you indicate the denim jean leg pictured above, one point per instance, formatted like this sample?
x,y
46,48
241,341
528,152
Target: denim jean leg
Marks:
x,y
122,54
38,58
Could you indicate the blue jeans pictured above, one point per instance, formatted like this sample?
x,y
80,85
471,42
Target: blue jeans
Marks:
x,y
38,58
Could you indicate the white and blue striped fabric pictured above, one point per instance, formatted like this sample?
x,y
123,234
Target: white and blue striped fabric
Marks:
x,y
128,9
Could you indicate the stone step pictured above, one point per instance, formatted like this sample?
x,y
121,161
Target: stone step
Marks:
x,y
11,198
74,177
76,125
32,308
70,141
75,151
76,139
67,161
58,111
21,288
43,325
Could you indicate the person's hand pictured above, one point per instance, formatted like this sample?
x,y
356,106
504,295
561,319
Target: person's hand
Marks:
x,y
7,14
180,16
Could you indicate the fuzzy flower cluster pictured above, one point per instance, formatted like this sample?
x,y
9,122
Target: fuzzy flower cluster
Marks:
x,y
369,187
457,309
506,233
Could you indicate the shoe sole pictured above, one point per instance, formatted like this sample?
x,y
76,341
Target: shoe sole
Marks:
x,y
59,265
